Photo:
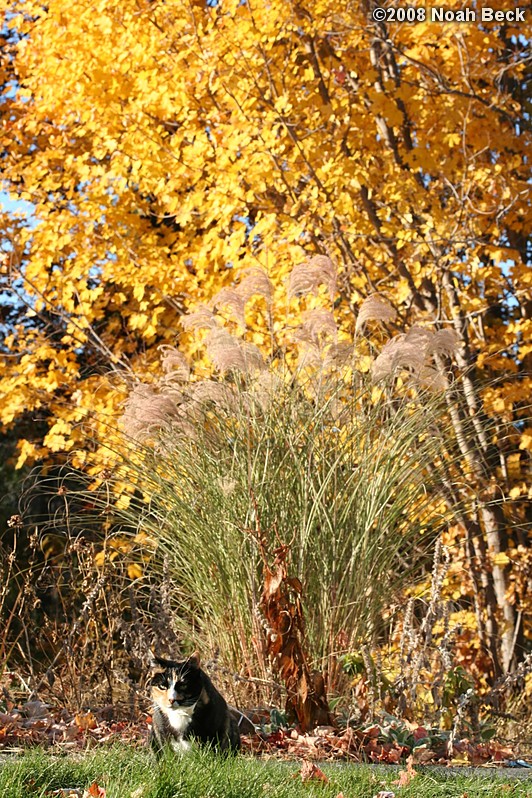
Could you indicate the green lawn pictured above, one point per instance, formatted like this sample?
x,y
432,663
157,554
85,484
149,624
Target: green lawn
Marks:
x,y
126,772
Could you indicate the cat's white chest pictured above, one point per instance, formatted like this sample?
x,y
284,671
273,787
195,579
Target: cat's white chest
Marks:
x,y
180,745
180,718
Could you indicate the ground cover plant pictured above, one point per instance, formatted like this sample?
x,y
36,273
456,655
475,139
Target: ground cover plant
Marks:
x,y
122,772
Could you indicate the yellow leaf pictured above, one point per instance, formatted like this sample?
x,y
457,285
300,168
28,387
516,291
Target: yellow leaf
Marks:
x,y
134,571
526,439
27,451
123,501
501,559
402,290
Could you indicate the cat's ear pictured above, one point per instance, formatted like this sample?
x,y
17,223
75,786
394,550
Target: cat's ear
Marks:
x,y
154,663
195,659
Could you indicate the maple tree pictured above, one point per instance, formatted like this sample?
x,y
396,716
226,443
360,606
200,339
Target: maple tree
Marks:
x,y
164,146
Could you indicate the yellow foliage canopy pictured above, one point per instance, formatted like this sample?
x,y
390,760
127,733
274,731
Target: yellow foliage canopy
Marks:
x,y
163,146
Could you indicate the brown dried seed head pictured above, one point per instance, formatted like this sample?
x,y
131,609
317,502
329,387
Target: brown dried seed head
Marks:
x,y
375,308
306,277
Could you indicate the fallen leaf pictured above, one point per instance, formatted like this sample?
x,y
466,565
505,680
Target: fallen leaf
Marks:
x,y
406,776
35,709
94,791
372,731
385,794
85,720
462,760
423,755
311,772
500,753
392,755
10,719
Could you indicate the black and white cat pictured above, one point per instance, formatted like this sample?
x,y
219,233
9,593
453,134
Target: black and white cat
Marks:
x,y
187,706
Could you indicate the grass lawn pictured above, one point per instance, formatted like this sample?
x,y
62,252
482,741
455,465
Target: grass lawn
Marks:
x,y
125,772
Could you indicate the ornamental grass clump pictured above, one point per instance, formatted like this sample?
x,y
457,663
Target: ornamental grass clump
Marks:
x,y
295,450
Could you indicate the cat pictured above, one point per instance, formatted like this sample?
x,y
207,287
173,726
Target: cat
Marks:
x,y
187,707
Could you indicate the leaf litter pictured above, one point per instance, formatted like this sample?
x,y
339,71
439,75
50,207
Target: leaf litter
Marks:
x,y
36,723
94,791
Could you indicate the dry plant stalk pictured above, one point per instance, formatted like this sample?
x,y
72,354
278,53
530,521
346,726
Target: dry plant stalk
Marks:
x,y
282,610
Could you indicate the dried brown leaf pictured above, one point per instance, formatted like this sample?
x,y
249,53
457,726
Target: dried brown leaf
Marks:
x,y
311,772
273,580
85,720
95,791
406,776
35,709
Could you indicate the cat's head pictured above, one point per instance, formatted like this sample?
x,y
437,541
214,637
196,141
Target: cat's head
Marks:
x,y
176,683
